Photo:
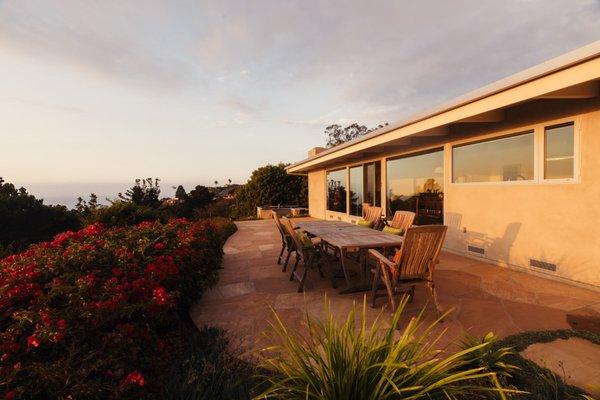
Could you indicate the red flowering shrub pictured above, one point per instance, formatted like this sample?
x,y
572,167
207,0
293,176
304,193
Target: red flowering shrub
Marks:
x,y
91,314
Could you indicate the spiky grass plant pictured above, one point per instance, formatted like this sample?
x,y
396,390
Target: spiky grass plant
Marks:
x,y
348,361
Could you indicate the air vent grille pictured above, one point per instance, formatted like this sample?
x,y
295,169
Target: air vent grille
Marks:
x,y
476,250
542,264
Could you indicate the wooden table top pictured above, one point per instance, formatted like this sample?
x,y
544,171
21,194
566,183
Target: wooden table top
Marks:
x,y
344,234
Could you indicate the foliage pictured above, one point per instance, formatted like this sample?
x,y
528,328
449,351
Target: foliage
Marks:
x,y
539,382
209,370
123,213
349,361
336,134
180,193
270,185
145,192
97,313
25,219
197,199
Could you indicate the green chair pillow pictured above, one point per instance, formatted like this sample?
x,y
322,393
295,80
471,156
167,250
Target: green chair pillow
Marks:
x,y
365,223
393,231
304,239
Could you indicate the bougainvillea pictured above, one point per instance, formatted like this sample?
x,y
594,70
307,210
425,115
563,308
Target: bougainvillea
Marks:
x,y
90,314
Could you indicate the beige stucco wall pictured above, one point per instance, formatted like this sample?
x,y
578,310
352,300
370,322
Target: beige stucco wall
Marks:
x,y
557,223
316,194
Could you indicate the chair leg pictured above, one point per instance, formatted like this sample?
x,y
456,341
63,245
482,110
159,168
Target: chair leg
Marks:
x,y
281,253
307,265
411,294
375,287
431,287
287,259
294,267
388,286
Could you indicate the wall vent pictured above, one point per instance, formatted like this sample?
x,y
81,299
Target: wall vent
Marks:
x,y
542,264
476,250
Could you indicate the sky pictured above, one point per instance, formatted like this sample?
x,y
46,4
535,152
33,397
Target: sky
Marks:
x,y
96,93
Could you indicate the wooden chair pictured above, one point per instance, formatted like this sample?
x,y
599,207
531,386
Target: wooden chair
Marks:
x,y
286,242
310,254
373,214
413,263
402,220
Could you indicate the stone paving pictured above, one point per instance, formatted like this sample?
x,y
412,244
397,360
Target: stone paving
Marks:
x,y
484,297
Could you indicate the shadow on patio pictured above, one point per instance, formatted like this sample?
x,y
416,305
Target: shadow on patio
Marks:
x,y
484,297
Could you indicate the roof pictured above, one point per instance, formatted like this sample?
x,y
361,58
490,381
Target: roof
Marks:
x,y
546,68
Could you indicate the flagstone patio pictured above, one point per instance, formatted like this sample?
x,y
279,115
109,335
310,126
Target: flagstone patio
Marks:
x,y
484,297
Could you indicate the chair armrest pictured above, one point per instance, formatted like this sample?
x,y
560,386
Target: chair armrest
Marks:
x,y
381,258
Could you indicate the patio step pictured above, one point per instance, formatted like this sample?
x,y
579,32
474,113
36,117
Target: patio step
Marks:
x,y
586,318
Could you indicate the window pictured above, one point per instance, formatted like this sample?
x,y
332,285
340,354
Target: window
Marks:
x,y
559,152
497,160
336,190
356,190
416,183
365,187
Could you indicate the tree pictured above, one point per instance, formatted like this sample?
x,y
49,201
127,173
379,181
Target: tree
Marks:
x,y
180,193
145,192
200,197
216,183
229,181
270,185
25,219
336,134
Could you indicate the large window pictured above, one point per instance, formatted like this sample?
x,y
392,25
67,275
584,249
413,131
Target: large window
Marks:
x,y
559,152
416,183
336,190
505,159
365,187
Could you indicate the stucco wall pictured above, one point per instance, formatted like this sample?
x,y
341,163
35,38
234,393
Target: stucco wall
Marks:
x,y
316,194
555,223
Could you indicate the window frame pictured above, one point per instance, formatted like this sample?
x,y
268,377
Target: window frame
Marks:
x,y
347,167
538,156
576,158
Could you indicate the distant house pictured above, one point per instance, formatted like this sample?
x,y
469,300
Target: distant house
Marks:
x,y
512,169
228,192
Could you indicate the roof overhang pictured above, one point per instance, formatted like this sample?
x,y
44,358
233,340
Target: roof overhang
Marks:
x,y
573,75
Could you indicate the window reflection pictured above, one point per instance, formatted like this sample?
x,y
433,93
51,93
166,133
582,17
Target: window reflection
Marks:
x,y
506,159
356,190
336,190
559,152
365,187
416,183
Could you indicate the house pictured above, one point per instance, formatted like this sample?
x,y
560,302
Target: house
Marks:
x,y
513,170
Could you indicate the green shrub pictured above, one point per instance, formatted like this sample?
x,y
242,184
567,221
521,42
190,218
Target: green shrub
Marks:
x,y
349,361
25,220
270,185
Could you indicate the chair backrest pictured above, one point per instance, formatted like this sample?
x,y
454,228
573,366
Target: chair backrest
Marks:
x,y
365,207
282,232
373,214
295,241
419,252
402,220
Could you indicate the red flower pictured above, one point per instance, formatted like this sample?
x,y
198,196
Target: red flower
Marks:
x,y
159,246
135,378
9,395
160,296
33,341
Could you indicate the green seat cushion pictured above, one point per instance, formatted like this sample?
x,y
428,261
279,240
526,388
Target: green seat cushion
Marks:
x,y
304,239
393,231
365,223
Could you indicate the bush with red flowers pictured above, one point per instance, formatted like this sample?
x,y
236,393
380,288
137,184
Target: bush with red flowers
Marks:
x,y
93,313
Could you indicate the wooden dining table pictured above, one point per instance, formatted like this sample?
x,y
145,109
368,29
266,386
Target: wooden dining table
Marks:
x,y
346,236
